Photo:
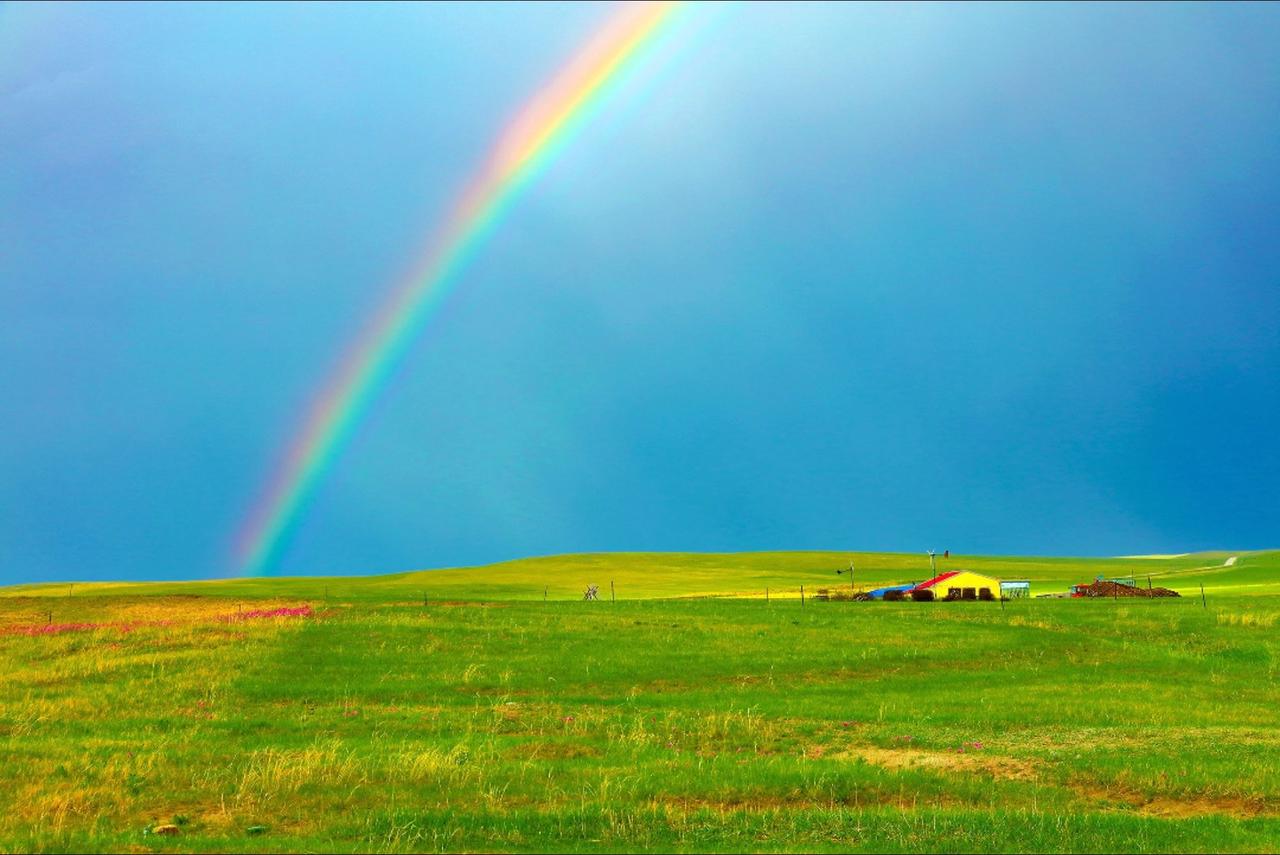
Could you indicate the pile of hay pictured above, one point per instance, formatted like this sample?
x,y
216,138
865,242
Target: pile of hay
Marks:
x,y
1105,588
841,594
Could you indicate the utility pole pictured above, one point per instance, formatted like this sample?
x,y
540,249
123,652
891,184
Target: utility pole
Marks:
x,y
852,588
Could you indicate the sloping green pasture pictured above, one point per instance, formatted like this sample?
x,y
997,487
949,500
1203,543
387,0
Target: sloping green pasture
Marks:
x,y
491,720
674,574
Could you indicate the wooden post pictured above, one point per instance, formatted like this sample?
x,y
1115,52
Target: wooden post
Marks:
x,y
1203,602
424,599
766,593
1148,585
49,619
70,588
544,595
802,595
613,597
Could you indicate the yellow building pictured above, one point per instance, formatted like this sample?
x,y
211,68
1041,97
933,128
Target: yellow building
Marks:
x,y
958,585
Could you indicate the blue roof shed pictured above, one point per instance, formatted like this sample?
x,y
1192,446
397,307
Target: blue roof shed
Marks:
x,y
879,593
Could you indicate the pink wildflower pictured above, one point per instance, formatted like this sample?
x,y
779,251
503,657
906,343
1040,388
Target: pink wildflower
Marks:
x,y
49,628
285,611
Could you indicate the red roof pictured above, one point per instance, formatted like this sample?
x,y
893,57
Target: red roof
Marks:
x,y
936,579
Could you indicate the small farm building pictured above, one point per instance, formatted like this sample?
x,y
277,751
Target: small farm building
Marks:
x,y
878,593
958,585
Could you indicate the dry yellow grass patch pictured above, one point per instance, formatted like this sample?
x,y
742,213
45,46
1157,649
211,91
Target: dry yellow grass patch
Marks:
x,y
1258,619
1179,807
972,763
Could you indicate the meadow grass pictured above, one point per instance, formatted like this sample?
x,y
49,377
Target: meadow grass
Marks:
x,y
676,574
491,720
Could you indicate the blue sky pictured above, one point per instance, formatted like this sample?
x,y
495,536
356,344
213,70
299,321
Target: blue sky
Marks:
x,y
995,279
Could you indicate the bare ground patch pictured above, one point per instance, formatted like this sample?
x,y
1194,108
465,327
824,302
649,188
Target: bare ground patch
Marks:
x,y
1180,806
970,763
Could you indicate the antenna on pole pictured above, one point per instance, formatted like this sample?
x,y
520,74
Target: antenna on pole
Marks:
x,y
849,571
933,566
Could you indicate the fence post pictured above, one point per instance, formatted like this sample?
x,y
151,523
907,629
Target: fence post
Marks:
x,y
766,593
802,595
1203,602
612,596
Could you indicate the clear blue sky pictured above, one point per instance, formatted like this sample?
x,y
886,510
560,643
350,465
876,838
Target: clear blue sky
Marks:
x,y
994,279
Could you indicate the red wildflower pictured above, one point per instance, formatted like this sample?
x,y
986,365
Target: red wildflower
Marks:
x,y
284,611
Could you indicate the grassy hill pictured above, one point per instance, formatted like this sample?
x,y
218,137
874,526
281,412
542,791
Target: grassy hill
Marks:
x,y
677,574
275,715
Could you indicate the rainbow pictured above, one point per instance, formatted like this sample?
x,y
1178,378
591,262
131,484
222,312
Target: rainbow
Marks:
x,y
530,142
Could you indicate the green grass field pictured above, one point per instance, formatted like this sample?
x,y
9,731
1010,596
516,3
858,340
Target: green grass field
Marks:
x,y
688,715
